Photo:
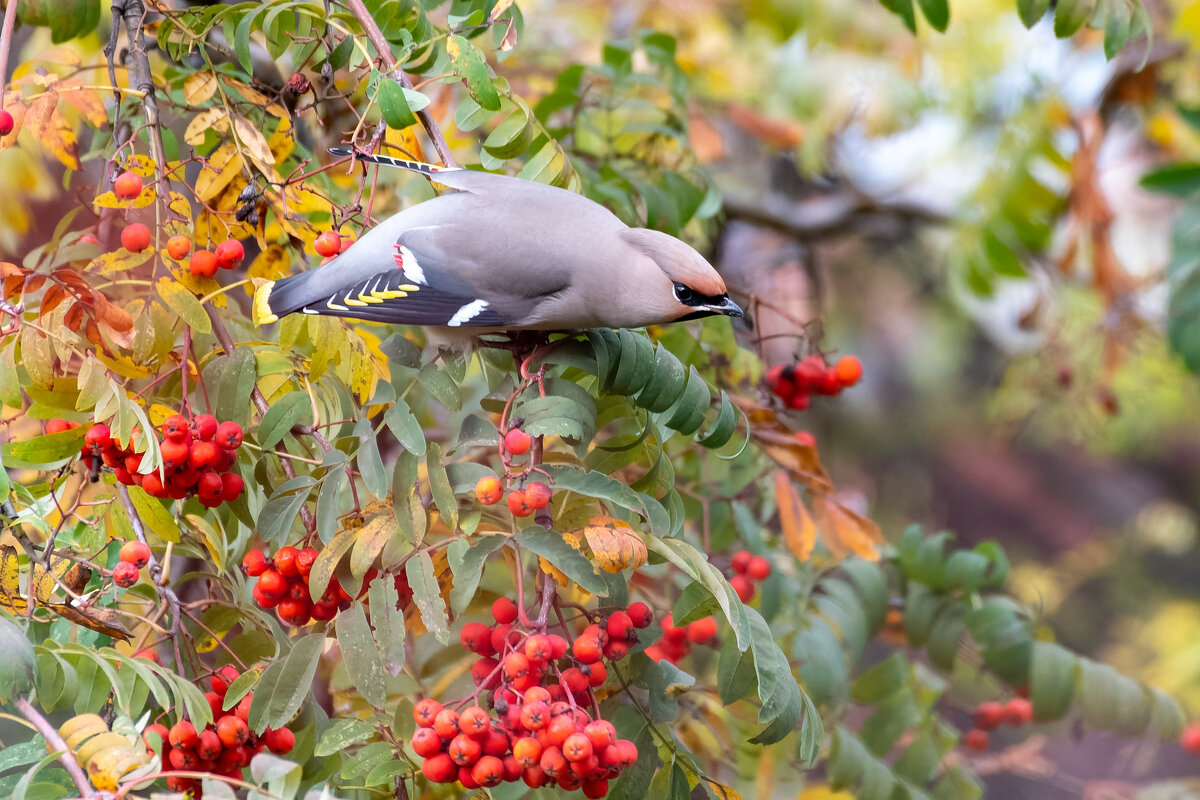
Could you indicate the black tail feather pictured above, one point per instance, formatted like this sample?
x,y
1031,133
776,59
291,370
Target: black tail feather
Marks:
x,y
388,161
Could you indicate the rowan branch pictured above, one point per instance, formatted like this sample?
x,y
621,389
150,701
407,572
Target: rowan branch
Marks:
x,y
385,53
6,35
47,730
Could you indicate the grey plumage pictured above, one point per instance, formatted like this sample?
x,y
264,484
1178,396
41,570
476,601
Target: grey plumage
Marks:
x,y
500,253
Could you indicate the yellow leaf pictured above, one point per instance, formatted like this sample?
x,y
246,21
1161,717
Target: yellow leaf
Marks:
x,y
10,578
86,101
823,792
79,729
199,87
110,200
52,129
799,530
282,140
125,367
214,118
253,141
554,572
222,166
43,581
143,165
271,263
253,95
614,544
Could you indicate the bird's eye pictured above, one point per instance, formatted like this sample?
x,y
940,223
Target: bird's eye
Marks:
x,y
683,294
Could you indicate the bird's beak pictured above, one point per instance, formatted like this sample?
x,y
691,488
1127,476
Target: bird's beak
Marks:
x,y
726,307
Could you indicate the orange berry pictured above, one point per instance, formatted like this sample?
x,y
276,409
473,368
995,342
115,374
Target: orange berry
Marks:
x,y
518,505
232,730
135,553
135,238
489,491
203,264
1018,712
178,247
127,186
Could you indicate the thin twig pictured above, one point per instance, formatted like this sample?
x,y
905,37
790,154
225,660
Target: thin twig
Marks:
x,y
389,61
51,736
6,35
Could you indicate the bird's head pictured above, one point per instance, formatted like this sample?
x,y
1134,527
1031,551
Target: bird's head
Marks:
x,y
695,288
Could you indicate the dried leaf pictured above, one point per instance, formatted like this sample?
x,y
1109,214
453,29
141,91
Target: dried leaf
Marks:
x,y
253,141
199,87
86,101
614,544
799,530
845,532
212,118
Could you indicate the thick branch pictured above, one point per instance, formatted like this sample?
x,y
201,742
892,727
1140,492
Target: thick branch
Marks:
x,y
133,13
51,736
385,53
6,37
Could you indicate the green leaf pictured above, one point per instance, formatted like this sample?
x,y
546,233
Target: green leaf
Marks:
x,y
153,514
179,299
937,12
904,10
283,509
439,485
552,547
43,452
388,621
603,487
362,658
427,594
782,700
695,602
405,427
294,681
1180,179
1053,673
239,372
468,64
735,673
341,734
370,463
466,564
511,137
665,683
18,664
1032,11
881,680
293,409
321,572
695,565
394,105
1112,701
1070,16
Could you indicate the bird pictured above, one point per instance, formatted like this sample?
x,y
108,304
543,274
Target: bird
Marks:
x,y
503,254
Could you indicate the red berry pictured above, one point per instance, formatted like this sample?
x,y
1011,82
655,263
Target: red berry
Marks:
x,y
595,787
848,370
528,751
295,612
988,716
504,611
242,711
175,428
426,711
552,762
558,646
477,637
174,454
518,505
976,739
445,723
204,455
516,665
577,747
488,771
538,649
285,561
231,488
98,437
183,734
759,569
474,722
232,730
209,485
178,247
229,435
489,491
6,123
601,733
439,769
57,426
230,254
740,561
271,583
598,673
1190,740
328,244
535,715
127,186
135,238
136,553
464,749
222,678
1017,712
264,600
537,495
125,574
702,630
280,741
254,563
743,586
203,264
484,673
618,625
574,681
426,743
203,427
517,442
640,615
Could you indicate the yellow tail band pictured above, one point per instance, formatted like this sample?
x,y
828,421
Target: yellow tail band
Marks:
x,y
262,314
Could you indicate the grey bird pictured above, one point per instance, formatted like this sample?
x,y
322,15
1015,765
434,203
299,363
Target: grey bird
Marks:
x,y
504,254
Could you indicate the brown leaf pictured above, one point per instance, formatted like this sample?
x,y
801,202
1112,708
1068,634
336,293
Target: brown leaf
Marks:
x,y
76,281
92,331
33,283
114,316
52,298
799,530
704,137
614,544
102,620
845,532
253,141
74,317
202,122
777,132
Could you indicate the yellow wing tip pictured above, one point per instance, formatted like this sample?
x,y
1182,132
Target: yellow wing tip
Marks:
x,y
262,314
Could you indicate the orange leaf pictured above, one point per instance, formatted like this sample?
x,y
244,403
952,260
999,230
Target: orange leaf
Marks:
x,y
799,530
614,544
845,532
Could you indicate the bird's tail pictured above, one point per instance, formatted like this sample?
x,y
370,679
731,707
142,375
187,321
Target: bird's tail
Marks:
x,y
274,299
388,161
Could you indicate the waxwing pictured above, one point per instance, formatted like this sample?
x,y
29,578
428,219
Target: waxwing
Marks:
x,y
500,254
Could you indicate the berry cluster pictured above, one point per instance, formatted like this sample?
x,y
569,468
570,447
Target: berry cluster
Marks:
x,y
537,683
197,455
795,383
748,571
224,747
521,502
283,585
677,641
991,715
134,555
205,263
